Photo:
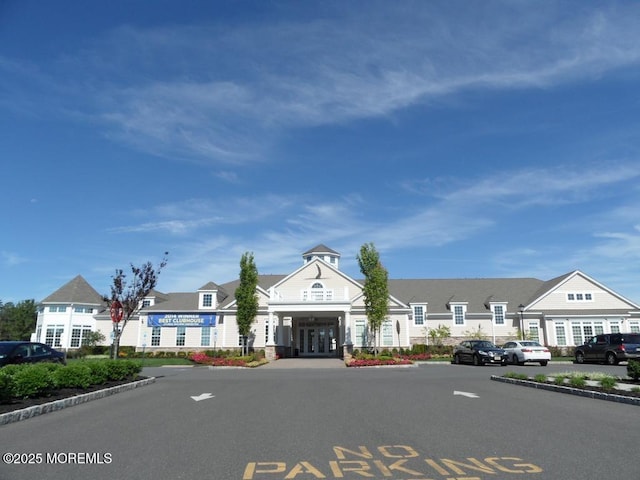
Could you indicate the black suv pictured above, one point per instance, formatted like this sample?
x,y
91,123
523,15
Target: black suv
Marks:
x,y
610,348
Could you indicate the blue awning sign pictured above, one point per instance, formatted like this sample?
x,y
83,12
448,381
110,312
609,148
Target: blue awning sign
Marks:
x,y
181,320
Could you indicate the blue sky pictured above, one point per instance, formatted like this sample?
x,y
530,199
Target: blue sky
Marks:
x,y
464,139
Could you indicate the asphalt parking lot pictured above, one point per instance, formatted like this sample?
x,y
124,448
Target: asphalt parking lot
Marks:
x,y
423,422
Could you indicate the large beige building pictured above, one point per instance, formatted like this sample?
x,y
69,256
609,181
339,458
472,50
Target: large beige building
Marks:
x,y
318,311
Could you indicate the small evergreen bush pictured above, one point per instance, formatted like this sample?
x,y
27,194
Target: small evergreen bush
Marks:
x,y
6,386
75,375
633,369
99,372
33,380
120,370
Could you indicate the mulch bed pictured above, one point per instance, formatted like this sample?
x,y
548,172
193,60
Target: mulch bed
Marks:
x,y
60,394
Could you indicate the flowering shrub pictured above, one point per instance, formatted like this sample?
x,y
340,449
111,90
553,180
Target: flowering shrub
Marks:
x,y
374,362
200,358
203,359
416,357
229,362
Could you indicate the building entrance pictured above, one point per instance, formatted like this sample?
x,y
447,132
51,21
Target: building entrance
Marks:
x,y
317,338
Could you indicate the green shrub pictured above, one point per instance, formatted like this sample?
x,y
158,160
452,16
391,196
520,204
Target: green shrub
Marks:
x,y
122,369
578,381
99,372
540,377
6,386
33,380
559,379
75,375
633,369
608,383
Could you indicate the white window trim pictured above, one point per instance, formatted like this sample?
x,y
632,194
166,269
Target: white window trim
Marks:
x,y
156,339
504,313
424,314
464,314
205,336
581,300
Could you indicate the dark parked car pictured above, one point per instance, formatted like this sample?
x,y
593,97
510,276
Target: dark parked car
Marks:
x,y
29,352
479,352
610,348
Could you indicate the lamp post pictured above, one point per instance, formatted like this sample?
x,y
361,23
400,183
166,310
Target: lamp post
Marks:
x,y
521,310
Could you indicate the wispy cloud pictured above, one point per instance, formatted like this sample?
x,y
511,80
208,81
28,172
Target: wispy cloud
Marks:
x,y
450,217
11,259
530,186
320,72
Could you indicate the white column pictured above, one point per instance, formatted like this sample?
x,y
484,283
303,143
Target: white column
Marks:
x,y
271,329
348,329
280,330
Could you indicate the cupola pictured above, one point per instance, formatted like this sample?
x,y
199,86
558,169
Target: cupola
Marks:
x,y
323,253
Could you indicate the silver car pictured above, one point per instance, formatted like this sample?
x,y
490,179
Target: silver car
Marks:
x,y
521,351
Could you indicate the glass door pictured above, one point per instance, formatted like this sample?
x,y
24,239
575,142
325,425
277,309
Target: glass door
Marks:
x,y
318,338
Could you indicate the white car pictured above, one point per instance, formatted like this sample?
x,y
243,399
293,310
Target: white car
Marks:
x,y
520,351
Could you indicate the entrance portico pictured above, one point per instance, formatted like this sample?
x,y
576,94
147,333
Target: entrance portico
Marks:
x,y
302,334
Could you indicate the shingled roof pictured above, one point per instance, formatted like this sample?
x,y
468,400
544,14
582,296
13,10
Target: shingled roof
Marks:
x,y
477,293
77,291
322,248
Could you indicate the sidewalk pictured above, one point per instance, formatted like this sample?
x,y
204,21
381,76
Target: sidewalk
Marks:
x,y
302,363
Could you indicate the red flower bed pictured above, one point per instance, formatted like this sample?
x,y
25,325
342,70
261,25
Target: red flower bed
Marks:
x,y
416,357
203,359
373,362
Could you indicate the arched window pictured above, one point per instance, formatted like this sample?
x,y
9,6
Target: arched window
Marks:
x,y
317,293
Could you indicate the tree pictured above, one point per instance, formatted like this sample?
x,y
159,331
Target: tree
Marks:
x,y
438,334
376,289
18,321
477,334
130,296
246,297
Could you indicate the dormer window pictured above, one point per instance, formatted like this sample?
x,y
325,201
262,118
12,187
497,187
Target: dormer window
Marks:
x,y
207,300
418,314
459,312
498,314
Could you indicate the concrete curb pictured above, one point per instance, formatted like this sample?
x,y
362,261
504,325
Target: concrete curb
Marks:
x,y
25,413
611,397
